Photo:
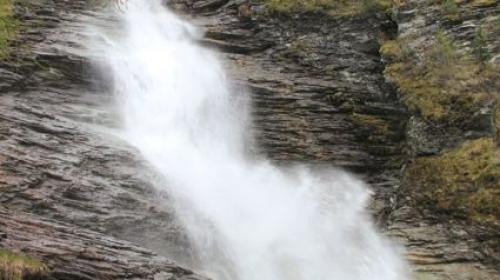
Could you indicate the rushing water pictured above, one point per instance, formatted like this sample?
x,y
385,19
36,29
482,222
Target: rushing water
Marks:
x,y
247,218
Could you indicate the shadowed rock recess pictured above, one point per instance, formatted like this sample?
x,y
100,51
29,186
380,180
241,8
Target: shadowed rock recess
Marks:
x,y
328,89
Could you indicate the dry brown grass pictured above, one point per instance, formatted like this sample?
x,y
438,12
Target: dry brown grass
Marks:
x,y
18,267
463,181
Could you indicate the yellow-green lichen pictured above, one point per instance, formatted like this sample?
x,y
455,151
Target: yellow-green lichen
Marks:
x,y
8,26
15,266
464,181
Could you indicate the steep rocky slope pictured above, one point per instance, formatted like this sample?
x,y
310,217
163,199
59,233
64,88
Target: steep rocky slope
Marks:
x,y
445,64
57,162
322,93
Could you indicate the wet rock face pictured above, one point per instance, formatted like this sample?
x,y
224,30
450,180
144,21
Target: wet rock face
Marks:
x,y
317,89
74,253
57,162
314,77
319,95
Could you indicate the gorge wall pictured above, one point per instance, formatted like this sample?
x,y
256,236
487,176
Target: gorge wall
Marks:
x,y
405,97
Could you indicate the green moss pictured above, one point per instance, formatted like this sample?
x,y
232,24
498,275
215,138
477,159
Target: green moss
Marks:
x,y
444,86
464,181
8,26
17,267
332,7
450,8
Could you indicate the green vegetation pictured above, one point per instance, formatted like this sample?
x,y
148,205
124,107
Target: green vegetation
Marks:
x,y
391,50
463,181
395,51
450,8
8,26
443,51
17,267
332,7
445,85
479,46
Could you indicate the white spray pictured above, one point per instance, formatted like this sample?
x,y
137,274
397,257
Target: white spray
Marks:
x,y
248,219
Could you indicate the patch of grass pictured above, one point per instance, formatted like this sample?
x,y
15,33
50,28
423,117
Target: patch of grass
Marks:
x,y
394,51
464,181
8,26
443,51
331,7
391,50
18,267
444,85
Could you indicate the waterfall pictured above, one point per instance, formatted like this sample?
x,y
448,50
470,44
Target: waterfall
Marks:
x,y
247,218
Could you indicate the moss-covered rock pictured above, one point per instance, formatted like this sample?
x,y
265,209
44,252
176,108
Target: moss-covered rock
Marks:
x,y
464,181
8,26
15,266
444,85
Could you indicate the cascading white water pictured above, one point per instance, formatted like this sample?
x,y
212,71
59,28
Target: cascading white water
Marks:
x,y
248,219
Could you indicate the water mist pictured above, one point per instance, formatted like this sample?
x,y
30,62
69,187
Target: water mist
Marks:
x,y
247,218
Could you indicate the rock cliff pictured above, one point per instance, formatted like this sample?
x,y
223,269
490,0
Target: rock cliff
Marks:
x,y
405,95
